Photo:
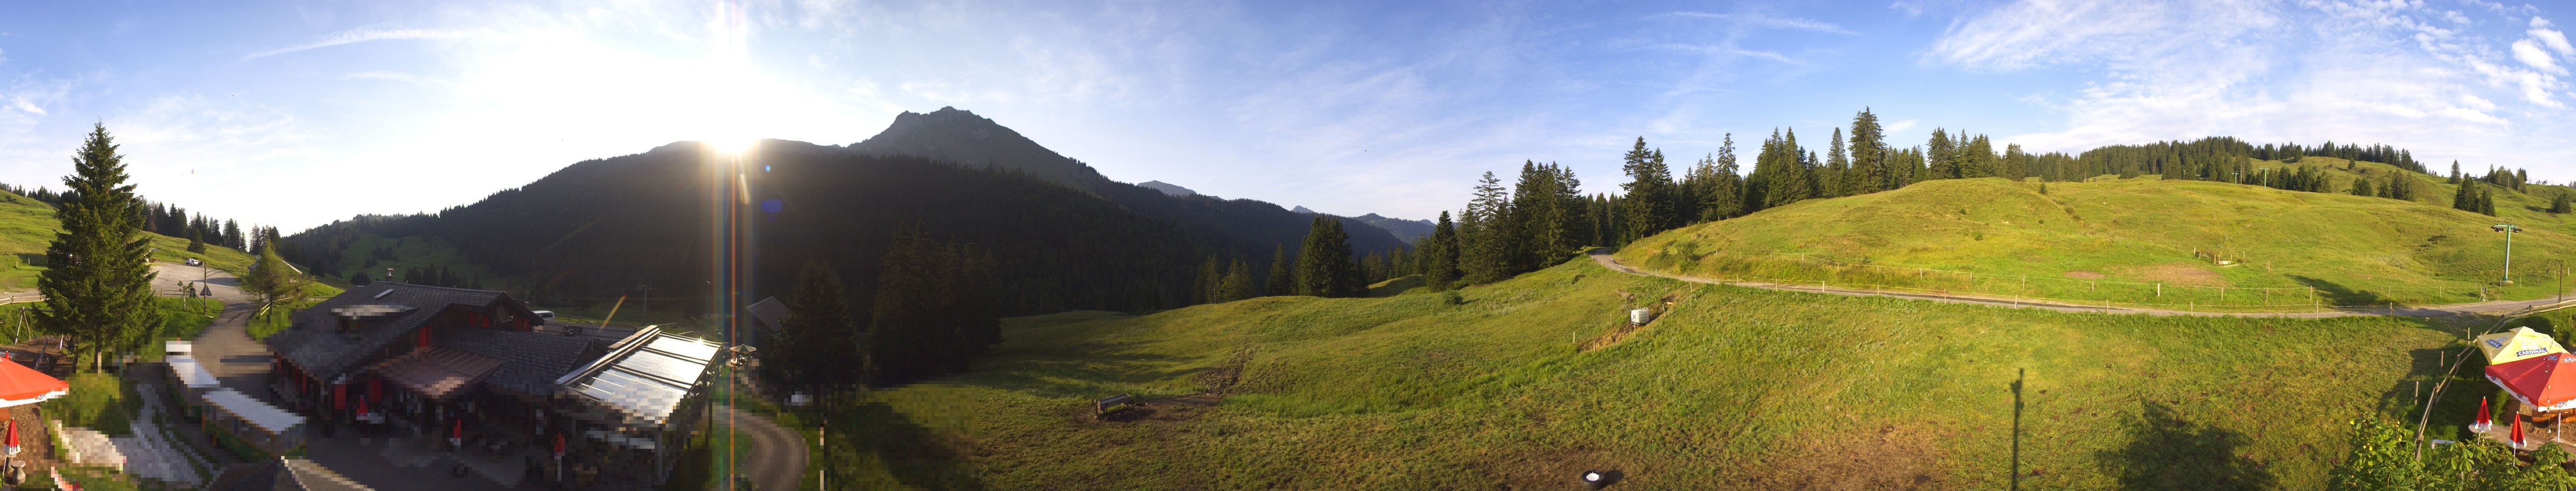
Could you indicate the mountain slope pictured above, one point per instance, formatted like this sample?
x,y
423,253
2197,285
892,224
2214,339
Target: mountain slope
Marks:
x,y
27,227
2135,241
1735,388
1406,230
595,230
957,136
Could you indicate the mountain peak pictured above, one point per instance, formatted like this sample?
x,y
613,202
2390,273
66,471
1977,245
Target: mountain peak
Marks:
x,y
959,136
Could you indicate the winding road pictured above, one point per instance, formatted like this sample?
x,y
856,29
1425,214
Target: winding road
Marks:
x,y
776,461
2502,307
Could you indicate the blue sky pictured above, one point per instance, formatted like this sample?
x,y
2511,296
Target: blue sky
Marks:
x,y
1345,107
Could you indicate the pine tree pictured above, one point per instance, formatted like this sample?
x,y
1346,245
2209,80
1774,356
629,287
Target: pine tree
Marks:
x,y
1723,197
1324,267
99,288
272,283
1649,190
1869,153
2455,172
1838,166
1207,287
2361,186
814,340
1280,282
1237,284
233,235
1484,254
1440,255
1978,158
1939,153
2560,204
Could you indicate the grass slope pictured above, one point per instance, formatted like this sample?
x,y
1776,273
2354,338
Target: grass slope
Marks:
x,y
2125,236
27,227
1736,388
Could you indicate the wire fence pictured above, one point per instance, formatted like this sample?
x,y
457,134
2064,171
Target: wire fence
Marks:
x,y
1825,272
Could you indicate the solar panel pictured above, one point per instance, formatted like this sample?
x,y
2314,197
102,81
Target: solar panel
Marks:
x,y
683,347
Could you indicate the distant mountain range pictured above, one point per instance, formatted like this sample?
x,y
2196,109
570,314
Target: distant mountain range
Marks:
x,y
1169,188
1067,237
1408,230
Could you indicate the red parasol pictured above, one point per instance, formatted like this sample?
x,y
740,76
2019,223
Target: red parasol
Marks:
x,y
559,445
362,407
2539,381
12,442
339,396
22,385
2484,420
2517,431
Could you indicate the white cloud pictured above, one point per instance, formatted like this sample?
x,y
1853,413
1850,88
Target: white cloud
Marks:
x,y
2348,72
2551,37
1901,125
1759,20
2529,53
369,34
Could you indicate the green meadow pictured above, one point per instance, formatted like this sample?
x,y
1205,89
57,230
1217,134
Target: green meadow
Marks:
x,y
1527,382
2139,241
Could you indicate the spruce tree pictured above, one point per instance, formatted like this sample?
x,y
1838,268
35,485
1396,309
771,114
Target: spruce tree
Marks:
x,y
1649,190
1940,154
1723,197
2361,186
272,283
1281,281
1838,165
1324,267
1237,284
814,341
1979,158
99,288
1207,288
1484,254
1869,153
1440,255
233,234
2560,205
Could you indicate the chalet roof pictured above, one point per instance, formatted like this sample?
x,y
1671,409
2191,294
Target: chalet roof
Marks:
x,y
316,344
767,312
530,361
437,372
644,378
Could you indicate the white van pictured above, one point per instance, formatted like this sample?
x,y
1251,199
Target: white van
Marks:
x,y
545,317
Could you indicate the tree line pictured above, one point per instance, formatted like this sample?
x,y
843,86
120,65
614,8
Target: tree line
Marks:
x,y
168,219
931,314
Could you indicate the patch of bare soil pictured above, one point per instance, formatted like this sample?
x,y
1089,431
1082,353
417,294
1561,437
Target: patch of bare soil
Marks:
x,y
1558,469
1885,458
2184,273
2084,275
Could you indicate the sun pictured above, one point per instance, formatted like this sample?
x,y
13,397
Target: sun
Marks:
x,y
733,146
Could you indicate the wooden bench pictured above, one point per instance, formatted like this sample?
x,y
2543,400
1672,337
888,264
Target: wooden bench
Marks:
x,y
1102,408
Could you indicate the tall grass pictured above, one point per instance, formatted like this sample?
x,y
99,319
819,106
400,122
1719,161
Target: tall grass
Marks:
x,y
1734,388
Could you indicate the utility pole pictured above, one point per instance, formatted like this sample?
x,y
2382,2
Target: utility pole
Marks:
x,y
2508,230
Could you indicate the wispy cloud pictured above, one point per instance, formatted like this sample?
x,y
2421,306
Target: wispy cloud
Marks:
x,y
1759,20
365,34
2384,71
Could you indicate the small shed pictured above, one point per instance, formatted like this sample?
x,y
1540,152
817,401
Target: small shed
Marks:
x,y
262,426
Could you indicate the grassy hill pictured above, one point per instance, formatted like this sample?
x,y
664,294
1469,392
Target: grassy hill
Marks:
x,y
1529,381
27,226
2135,241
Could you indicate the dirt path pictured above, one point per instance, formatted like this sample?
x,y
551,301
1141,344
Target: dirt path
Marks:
x,y
1602,256
777,457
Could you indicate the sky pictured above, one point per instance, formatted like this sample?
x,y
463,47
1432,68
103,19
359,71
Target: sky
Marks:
x,y
295,114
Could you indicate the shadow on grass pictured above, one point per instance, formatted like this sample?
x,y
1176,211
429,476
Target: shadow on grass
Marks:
x,y
2167,451
2334,294
911,454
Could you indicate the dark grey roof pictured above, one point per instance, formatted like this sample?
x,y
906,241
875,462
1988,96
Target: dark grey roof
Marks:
x,y
316,344
530,361
767,312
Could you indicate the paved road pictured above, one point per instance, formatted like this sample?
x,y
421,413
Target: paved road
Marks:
x,y
1602,256
225,348
777,456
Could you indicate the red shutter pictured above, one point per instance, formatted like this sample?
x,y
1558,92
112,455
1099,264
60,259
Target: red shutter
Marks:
x,y
424,337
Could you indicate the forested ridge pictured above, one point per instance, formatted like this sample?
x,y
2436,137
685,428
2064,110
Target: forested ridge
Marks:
x,y
1542,218
611,224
